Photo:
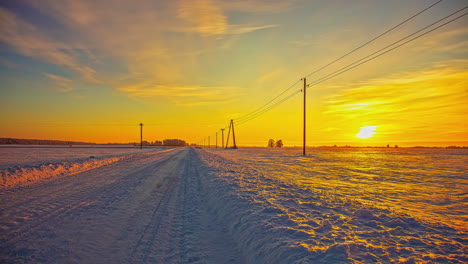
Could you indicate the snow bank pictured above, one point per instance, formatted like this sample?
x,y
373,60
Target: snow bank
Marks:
x,y
274,221
14,176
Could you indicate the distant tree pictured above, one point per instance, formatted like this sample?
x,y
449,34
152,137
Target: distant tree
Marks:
x,y
271,143
174,143
279,143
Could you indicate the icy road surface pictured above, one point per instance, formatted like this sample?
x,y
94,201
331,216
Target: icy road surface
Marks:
x,y
189,205
146,209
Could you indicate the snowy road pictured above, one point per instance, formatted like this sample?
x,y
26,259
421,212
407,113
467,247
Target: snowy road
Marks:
x,y
147,209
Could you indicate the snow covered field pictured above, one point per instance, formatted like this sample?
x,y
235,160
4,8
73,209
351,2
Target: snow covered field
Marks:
x,y
427,183
346,205
188,205
21,155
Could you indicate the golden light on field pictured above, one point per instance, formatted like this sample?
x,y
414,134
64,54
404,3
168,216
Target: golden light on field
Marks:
x,y
366,132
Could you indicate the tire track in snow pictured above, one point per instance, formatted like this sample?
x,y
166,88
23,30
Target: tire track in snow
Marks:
x,y
59,205
151,209
141,251
183,228
15,201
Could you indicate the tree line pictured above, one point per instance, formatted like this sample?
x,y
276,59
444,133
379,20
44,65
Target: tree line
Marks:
x,y
19,141
272,143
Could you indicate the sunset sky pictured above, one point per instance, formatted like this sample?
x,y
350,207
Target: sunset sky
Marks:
x,y
93,70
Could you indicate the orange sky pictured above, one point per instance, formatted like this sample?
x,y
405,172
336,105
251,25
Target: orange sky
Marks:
x,y
93,70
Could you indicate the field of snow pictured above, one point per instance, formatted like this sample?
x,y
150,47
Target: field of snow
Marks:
x,y
345,205
187,205
22,155
430,184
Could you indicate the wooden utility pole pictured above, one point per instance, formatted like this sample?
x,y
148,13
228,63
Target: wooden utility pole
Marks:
x,y
304,132
229,133
233,135
231,127
222,137
141,135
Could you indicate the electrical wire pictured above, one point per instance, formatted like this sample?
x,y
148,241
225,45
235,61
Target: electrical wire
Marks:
x,y
269,108
258,109
372,40
363,60
360,62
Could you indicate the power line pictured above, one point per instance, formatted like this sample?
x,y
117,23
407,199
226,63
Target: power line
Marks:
x,y
253,112
260,109
372,40
363,60
350,66
270,105
269,108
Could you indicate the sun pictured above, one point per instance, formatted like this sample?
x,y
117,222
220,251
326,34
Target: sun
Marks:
x,y
366,132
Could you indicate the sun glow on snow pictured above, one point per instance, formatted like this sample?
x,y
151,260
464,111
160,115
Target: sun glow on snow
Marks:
x,y
366,132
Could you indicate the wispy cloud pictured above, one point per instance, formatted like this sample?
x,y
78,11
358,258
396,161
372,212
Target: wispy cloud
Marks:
x,y
443,40
30,41
152,44
235,29
182,94
207,18
271,75
258,6
128,36
203,16
60,84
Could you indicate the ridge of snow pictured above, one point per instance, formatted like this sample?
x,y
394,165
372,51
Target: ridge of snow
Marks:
x,y
15,176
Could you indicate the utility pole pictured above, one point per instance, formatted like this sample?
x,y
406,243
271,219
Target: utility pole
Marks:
x,y
141,135
233,135
229,133
216,146
231,126
304,132
222,137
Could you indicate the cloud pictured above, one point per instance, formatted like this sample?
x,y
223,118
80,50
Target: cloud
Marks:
x,y
204,17
187,95
271,75
448,40
246,29
30,41
258,6
61,84
145,42
207,18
